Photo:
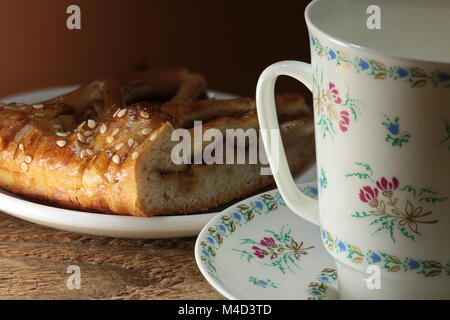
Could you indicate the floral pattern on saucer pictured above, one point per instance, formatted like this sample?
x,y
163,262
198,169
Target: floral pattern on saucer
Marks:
x,y
259,249
318,288
277,249
262,283
243,214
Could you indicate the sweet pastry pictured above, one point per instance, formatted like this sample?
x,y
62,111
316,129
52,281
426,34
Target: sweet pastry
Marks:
x,y
107,146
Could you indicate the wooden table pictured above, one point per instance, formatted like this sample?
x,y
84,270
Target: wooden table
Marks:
x,y
34,262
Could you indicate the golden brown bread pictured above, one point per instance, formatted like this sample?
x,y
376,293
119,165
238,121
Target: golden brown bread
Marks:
x,y
100,149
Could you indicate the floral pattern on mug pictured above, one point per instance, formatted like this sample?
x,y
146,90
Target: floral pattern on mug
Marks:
x,y
323,182
333,110
344,120
278,249
394,136
387,211
310,191
388,262
318,289
414,76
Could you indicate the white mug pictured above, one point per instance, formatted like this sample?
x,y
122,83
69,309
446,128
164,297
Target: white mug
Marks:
x,y
380,77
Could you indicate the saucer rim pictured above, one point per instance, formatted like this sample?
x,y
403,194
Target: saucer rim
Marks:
x,y
212,281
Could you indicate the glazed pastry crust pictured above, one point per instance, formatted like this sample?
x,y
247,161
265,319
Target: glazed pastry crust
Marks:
x,y
99,149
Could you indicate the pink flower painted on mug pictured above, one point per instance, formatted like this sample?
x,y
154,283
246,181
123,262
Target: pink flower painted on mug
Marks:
x,y
267,242
258,252
387,186
369,195
336,109
335,93
397,209
344,120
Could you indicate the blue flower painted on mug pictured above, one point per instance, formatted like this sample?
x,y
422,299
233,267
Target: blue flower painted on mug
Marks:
x,y
402,72
413,264
237,216
210,240
342,247
363,64
394,136
332,54
310,191
393,128
375,257
313,41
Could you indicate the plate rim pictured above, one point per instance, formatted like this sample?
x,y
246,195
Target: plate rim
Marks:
x,y
108,225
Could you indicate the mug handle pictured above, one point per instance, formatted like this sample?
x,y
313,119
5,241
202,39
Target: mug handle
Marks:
x,y
296,200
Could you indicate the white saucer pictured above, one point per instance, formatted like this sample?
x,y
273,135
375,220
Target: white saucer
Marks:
x,y
260,249
105,224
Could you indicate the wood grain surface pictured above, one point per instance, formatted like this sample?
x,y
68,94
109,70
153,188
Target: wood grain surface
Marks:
x,y
34,262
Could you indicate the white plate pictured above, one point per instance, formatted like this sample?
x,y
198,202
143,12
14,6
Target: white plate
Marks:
x,y
259,249
105,224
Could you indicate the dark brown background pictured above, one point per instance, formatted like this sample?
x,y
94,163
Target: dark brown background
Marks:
x,y
230,42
